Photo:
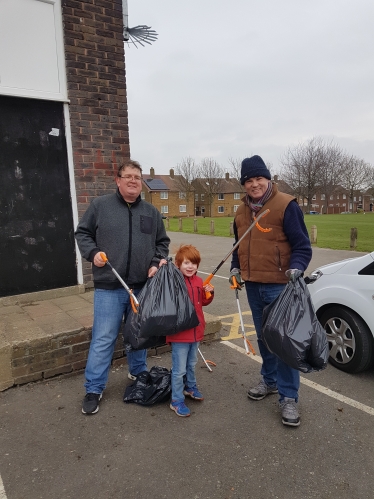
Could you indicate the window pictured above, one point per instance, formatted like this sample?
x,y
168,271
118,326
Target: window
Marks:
x,y
182,208
236,206
236,195
182,195
314,197
164,195
165,209
331,197
354,198
344,197
221,209
359,198
323,197
221,196
196,197
142,195
337,197
203,209
202,197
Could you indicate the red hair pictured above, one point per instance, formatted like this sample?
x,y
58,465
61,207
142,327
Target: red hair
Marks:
x,y
188,252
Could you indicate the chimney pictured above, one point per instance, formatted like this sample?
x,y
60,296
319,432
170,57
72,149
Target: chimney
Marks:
x,y
227,175
152,172
275,178
171,173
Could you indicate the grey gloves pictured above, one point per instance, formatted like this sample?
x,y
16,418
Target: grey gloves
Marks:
x,y
293,274
236,273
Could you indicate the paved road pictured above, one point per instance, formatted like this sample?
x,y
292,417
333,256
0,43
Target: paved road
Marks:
x,y
230,448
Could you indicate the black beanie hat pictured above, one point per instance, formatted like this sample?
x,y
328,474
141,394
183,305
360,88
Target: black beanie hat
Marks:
x,y
253,167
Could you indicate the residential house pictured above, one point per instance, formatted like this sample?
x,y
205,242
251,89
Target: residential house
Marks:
x,y
217,197
170,194
339,201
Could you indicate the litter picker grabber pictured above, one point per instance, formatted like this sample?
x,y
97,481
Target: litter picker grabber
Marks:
x,y
207,362
247,344
133,300
255,222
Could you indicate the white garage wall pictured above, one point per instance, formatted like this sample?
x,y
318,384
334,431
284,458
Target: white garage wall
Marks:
x,y
31,49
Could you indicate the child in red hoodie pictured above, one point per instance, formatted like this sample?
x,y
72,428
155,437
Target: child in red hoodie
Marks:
x,y
185,344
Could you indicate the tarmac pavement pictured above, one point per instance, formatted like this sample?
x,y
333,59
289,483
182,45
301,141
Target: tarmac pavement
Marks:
x,y
230,448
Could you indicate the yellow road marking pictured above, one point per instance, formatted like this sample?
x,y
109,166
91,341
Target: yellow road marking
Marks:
x,y
235,327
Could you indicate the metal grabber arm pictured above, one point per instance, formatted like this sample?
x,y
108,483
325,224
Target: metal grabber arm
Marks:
x,y
247,344
133,300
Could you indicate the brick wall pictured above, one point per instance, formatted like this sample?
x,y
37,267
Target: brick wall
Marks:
x,y
95,66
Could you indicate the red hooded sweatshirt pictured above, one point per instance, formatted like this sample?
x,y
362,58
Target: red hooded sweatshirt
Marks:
x,y
197,296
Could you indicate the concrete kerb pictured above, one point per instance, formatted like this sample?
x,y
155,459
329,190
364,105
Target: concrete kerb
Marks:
x,y
51,337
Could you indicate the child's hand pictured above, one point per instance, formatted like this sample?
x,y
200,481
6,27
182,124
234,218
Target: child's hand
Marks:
x,y
208,288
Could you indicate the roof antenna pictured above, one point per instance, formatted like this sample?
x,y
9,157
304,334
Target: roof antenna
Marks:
x,y
139,34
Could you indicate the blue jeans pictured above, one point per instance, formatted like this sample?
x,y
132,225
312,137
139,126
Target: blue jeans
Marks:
x,y
184,358
274,371
109,308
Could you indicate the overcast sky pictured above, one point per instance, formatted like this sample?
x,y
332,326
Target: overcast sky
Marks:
x,y
241,77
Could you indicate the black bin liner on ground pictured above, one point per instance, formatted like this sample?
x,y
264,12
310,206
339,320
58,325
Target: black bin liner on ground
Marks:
x,y
150,387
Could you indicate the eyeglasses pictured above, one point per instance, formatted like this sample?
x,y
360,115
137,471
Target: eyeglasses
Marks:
x,y
131,177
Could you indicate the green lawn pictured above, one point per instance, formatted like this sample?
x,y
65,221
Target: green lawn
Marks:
x,y
333,231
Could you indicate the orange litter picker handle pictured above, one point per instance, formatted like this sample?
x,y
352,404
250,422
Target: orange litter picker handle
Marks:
x,y
133,300
236,245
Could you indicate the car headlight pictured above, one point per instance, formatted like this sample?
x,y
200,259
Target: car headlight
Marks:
x,y
316,274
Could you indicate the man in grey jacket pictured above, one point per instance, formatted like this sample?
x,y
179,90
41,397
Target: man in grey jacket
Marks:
x,y
131,234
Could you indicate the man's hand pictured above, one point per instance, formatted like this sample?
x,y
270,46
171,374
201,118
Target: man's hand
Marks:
x,y
236,273
293,274
98,261
152,271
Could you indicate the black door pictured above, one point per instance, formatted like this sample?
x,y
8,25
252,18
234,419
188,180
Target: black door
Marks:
x,y
37,249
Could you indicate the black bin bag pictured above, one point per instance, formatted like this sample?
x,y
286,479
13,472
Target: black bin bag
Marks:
x,y
150,387
291,330
164,308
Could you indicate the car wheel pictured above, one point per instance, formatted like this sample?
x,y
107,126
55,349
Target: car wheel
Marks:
x,y
349,338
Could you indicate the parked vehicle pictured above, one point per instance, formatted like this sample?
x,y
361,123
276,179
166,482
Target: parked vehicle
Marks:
x,y
343,297
313,212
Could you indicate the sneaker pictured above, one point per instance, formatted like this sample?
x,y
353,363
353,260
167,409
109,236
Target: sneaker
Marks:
x,y
180,409
193,393
130,376
260,391
290,413
91,403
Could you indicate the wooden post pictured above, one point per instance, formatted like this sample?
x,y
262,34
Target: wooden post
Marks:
x,y
313,234
167,223
353,238
212,226
180,225
195,224
231,228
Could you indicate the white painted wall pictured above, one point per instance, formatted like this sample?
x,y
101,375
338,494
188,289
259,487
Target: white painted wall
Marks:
x,y
32,60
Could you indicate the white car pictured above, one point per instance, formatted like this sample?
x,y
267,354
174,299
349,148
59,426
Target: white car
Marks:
x,y
343,297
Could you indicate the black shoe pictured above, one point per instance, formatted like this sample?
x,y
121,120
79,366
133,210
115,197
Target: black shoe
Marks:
x,y
91,403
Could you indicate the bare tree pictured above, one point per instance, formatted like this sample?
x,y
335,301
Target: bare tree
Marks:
x,y
187,172
356,176
332,173
236,166
302,168
210,179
